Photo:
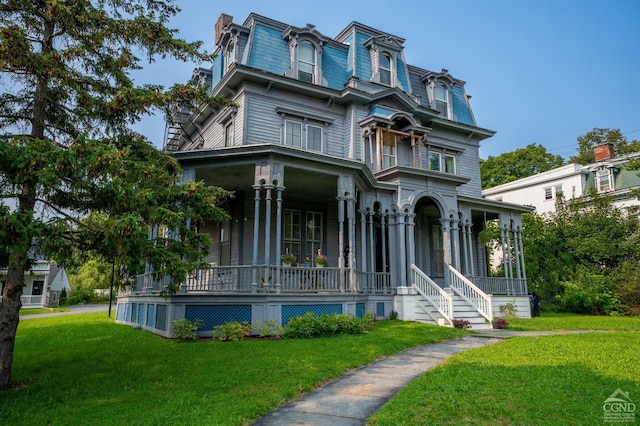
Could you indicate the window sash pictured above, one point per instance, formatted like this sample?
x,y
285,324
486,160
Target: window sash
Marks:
x,y
228,134
314,137
449,164
434,161
441,99
306,62
292,232
315,233
293,134
548,194
384,69
604,180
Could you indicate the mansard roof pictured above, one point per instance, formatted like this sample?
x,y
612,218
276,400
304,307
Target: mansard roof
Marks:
x,y
348,61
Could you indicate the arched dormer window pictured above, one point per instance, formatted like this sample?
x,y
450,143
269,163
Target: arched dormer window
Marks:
x,y
384,68
230,55
441,99
306,61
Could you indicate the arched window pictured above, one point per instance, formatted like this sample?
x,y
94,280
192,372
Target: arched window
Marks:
x,y
384,68
441,99
230,56
306,61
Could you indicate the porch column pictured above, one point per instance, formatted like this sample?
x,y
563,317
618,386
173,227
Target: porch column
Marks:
x,y
446,245
465,249
279,190
372,246
340,232
506,252
455,243
516,247
363,237
393,249
402,249
383,220
411,245
256,240
524,270
472,271
351,212
267,238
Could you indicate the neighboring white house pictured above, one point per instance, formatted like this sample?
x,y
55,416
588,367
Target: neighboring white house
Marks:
x,y
607,175
43,283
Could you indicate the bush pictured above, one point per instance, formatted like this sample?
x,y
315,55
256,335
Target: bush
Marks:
x,y
185,330
63,297
461,323
499,323
79,297
268,328
509,309
312,325
231,331
590,294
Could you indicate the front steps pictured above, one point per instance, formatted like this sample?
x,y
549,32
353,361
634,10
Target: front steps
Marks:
x,y
423,311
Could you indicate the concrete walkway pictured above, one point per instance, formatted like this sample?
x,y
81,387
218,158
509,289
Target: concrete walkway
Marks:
x,y
352,398
73,309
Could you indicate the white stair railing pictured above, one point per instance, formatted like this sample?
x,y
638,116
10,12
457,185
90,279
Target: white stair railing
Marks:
x,y
436,296
472,294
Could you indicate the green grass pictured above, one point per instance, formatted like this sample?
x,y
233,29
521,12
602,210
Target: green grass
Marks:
x,y
566,321
552,380
34,311
84,369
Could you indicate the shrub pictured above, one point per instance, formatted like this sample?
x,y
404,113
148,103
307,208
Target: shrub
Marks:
x,y
79,296
231,331
312,325
461,323
590,294
185,330
63,297
268,328
509,309
393,315
499,323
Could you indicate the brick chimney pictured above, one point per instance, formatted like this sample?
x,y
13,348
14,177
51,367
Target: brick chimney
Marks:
x,y
221,24
604,152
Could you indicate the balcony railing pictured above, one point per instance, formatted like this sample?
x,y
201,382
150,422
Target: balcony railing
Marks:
x,y
501,285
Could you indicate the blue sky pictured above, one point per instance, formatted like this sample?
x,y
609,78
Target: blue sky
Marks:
x,y
543,71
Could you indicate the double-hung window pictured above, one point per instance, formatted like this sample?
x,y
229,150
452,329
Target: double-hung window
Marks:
x,y
442,162
228,134
604,180
548,193
384,68
295,237
230,56
299,135
441,99
293,134
306,62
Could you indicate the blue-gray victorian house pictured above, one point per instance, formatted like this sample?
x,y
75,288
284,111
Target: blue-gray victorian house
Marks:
x,y
335,146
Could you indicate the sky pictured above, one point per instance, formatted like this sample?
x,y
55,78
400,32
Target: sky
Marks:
x,y
537,71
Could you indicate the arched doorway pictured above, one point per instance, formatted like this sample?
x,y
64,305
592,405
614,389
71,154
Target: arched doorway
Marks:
x,y
429,244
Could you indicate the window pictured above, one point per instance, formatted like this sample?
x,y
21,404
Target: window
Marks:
x,y
437,246
314,233
293,134
388,150
384,68
292,232
230,56
306,61
294,239
441,99
603,179
436,162
314,137
548,194
225,246
38,287
558,191
228,134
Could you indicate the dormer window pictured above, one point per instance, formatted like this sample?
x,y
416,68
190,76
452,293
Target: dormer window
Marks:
x,y
604,180
384,68
441,99
306,62
230,55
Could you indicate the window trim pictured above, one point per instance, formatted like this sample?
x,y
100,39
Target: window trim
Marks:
x,y
385,71
604,172
304,134
304,240
229,134
442,157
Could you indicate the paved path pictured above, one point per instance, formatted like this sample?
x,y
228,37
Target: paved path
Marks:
x,y
73,309
352,398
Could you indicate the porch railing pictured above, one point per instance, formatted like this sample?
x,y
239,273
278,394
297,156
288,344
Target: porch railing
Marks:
x,y
373,282
29,301
471,293
501,285
433,293
283,279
